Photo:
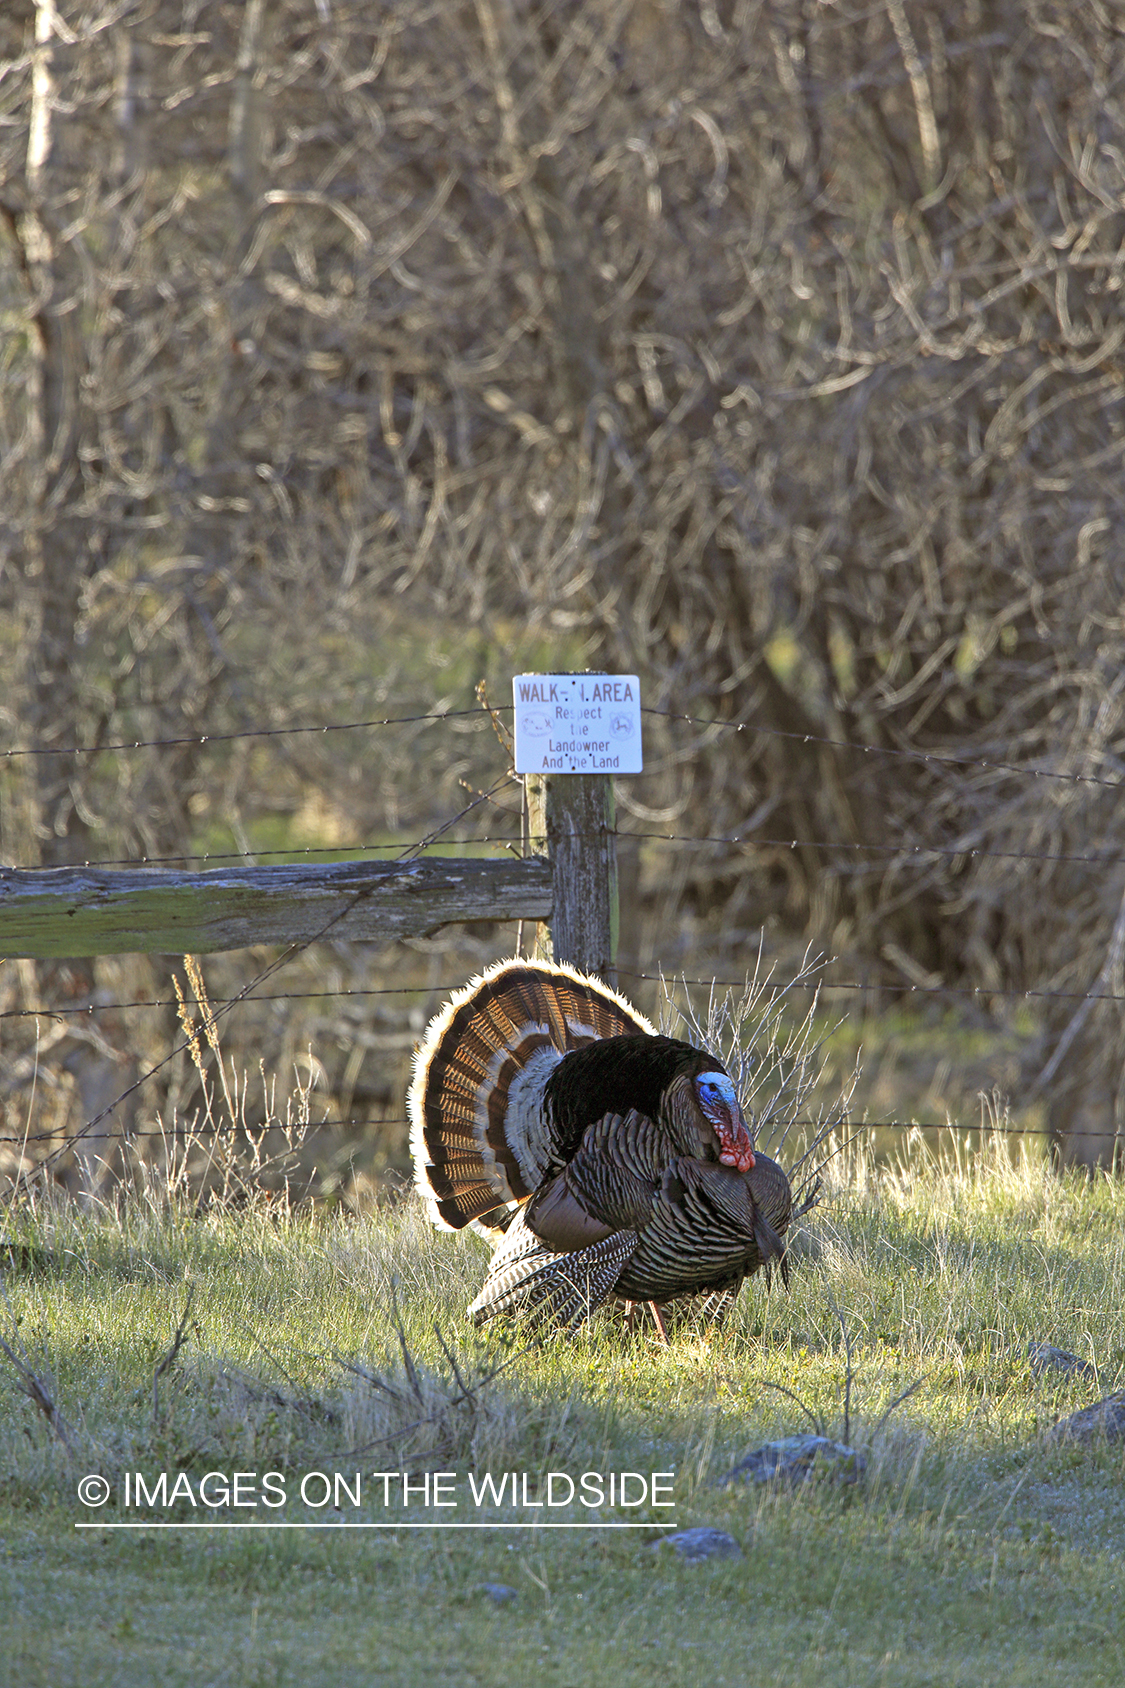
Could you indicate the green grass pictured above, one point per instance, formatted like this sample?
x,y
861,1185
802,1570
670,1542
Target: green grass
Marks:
x,y
973,1551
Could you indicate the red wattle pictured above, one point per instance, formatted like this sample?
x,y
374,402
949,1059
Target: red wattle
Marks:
x,y
738,1152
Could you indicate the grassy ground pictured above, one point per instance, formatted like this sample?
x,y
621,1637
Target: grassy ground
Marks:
x,y
972,1551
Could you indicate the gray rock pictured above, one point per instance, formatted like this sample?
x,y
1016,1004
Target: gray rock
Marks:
x,y
1044,1356
498,1593
701,1543
1105,1418
794,1459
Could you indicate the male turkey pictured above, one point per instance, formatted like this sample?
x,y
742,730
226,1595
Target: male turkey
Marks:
x,y
604,1159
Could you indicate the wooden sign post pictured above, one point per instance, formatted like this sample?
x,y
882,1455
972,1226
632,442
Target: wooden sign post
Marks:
x,y
573,732
572,822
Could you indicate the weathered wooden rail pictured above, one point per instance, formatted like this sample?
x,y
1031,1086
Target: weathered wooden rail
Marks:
x,y
94,911
568,886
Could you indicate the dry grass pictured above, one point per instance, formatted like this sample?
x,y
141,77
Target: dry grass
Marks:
x,y
260,1338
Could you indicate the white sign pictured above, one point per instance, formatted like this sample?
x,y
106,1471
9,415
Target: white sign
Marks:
x,y
577,723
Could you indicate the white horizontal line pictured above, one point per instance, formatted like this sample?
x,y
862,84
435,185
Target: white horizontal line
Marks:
x,y
279,1524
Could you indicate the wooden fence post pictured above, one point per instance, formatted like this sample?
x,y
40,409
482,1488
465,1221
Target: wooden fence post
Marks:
x,y
572,821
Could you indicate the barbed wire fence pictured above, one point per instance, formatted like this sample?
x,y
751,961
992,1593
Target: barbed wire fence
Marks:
x,y
452,832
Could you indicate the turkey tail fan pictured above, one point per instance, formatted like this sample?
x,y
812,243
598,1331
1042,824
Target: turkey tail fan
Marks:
x,y
478,1133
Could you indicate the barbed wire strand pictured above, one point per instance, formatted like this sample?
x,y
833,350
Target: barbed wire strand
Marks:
x,y
339,852
665,714
225,1130
891,750
353,852
229,738
906,851
906,988
824,986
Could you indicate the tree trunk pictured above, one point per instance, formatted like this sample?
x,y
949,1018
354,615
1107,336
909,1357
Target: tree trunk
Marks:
x,y
56,568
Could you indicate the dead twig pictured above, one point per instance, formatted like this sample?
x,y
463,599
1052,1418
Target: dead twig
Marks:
x,y
814,1418
36,1390
507,741
897,1402
849,1373
169,1359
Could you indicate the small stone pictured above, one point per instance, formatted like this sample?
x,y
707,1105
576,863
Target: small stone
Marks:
x,y
702,1543
1044,1356
795,1458
1105,1418
498,1593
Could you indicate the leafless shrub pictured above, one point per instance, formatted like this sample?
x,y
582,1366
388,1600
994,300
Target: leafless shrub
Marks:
x,y
416,1416
221,1155
770,1038
35,1384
